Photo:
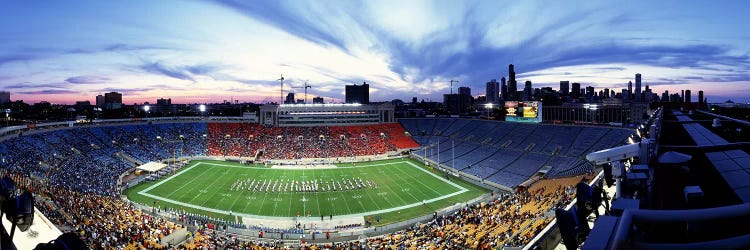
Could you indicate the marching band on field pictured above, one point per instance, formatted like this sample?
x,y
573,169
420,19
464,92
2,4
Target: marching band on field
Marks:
x,y
288,185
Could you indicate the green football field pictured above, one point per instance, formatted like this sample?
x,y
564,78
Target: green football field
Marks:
x,y
393,190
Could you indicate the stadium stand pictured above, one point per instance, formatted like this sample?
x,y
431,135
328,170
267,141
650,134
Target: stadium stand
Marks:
x,y
510,153
246,140
74,172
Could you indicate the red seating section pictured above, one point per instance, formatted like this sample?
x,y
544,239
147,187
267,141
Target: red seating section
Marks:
x,y
244,140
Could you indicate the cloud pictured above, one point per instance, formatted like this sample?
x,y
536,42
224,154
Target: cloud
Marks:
x,y
48,92
87,79
158,68
27,85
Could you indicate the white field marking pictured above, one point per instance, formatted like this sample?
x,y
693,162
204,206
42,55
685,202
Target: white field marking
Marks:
x,y
218,211
251,167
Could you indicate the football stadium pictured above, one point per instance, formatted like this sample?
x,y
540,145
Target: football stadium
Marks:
x,y
347,176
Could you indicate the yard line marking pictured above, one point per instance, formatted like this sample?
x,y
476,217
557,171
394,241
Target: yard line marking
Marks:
x,y
213,194
218,211
172,177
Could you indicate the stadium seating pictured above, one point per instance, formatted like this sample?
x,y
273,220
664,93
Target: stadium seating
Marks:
x,y
245,140
509,153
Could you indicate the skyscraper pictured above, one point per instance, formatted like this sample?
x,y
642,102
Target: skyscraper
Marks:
x,y
4,97
100,101
638,97
493,91
527,91
564,87
688,99
575,91
590,91
112,100
630,90
512,85
504,88
700,98
458,103
358,93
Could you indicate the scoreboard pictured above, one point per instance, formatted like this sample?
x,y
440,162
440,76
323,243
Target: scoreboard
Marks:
x,y
529,112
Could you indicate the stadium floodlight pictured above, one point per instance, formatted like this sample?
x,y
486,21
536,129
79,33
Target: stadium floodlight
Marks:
x,y
202,108
146,108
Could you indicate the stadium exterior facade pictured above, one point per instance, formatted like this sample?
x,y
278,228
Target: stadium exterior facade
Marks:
x,y
291,115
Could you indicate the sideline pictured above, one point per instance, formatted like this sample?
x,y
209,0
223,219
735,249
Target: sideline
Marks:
x,y
218,211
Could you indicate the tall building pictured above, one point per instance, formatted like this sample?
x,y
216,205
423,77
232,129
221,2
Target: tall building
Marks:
x,y
165,106
575,90
630,90
112,100
289,98
564,87
590,91
465,100
606,93
512,84
688,100
527,91
665,96
319,100
503,88
100,101
700,98
493,91
358,93
638,96
4,97
682,96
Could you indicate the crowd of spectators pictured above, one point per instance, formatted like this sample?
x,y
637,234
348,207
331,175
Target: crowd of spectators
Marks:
x,y
510,220
248,140
73,174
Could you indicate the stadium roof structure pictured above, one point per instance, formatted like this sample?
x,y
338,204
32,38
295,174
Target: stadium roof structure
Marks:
x,y
696,193
733,165
152,166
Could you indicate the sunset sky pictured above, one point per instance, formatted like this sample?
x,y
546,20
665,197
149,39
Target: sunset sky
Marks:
x,y
209,51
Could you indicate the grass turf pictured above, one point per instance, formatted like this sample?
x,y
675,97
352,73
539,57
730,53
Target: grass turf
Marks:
x,y
206,185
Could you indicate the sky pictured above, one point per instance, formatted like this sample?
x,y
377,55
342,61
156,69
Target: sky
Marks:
x,y
210,51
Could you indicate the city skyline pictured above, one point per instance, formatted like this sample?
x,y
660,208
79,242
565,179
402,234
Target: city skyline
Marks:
x,y
209,51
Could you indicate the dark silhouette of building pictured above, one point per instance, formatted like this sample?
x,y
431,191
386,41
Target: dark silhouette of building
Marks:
x,y
638,96
460,102
289,98
630,91
564,87
504,88
112,100
575,91
512,84
493,91
590,91
358,93
4,97
100,101
164,106
527,91
700,98
688,99
318,100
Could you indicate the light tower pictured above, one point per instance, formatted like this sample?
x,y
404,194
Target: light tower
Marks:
x,y
281,91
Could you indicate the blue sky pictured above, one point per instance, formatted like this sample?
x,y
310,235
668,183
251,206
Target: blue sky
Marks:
x,y
208,51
